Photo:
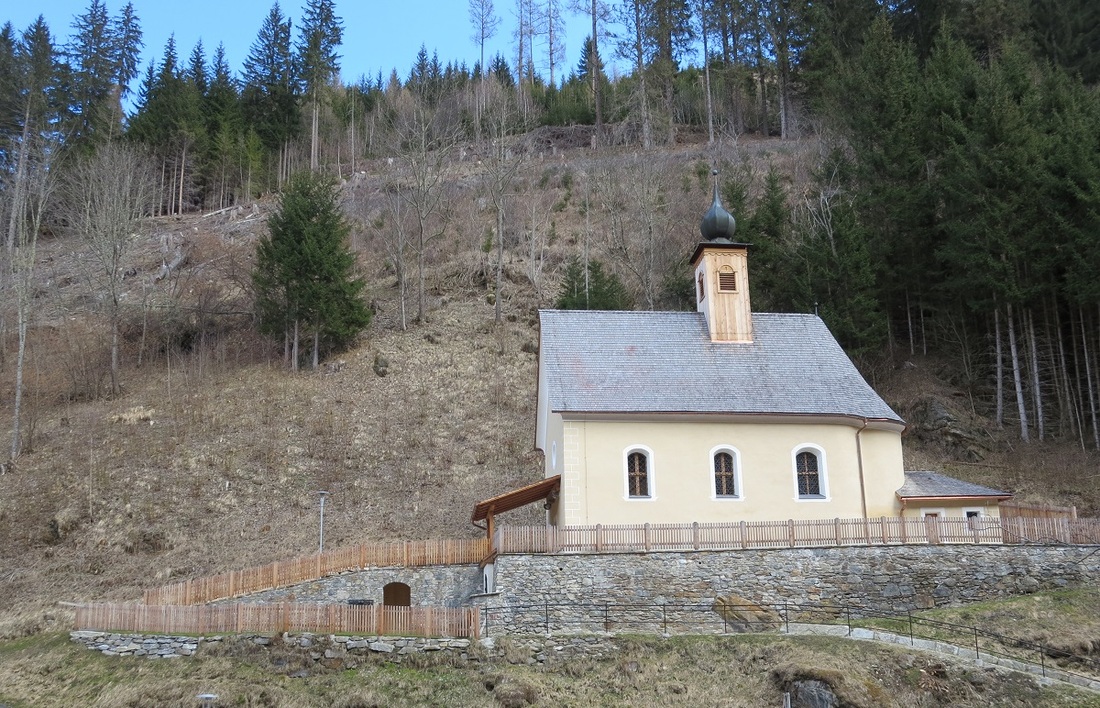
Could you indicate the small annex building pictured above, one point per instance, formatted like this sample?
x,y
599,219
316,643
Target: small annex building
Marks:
x,y
717,415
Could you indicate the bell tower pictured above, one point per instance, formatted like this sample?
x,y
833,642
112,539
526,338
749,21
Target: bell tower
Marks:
x,y
722,276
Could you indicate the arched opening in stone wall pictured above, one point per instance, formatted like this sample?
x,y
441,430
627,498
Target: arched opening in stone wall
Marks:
x,y
396,595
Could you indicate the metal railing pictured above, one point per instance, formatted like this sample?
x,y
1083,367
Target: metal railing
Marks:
x,y
720,618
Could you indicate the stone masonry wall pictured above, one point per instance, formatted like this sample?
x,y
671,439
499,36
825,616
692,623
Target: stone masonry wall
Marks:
x,y
893,579
346,652
434,586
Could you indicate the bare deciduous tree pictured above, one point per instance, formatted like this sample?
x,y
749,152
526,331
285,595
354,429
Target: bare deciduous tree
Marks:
x,y
632,47
425,139
106,194
643,224
553,27
503,120
36,186
485,23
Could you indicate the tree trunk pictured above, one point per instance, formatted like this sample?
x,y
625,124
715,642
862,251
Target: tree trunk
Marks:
x,y
294,348
115,388
1000,368
909,322
1021,408
404,291
639,65
706,82
183,173
420,274
500,259
594,72
1088,379
1036,388
1078,393
1056,352
17,407
1092,372
314,155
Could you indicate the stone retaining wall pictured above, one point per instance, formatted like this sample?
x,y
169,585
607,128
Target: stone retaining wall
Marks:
x,y
336,652
430,586
893,579
889,578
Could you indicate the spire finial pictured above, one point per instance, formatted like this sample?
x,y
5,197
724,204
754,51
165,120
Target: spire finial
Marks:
x,y
718,225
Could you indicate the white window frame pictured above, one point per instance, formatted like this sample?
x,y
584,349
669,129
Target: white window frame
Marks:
x,y
979,516
651,477
730,449
822,473
934,512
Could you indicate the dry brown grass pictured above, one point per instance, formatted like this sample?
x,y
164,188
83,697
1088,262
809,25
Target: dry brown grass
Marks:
x,y
744,672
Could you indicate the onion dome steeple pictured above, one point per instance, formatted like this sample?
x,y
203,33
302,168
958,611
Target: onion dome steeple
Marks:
x,y
722,276
718,225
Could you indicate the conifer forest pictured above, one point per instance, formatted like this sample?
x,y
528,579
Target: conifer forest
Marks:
x,y
951,207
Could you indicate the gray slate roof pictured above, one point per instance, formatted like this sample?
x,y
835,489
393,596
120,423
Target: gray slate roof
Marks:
x,y
934,484
664,362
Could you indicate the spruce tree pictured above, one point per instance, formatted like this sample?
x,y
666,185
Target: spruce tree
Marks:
x,y
601,290
269,95
318,63
304,276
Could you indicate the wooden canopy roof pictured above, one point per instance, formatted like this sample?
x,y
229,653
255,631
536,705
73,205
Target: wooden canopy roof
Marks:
x,y
516,498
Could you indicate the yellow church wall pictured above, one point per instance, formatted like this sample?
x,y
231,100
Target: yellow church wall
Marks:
x,y
594,486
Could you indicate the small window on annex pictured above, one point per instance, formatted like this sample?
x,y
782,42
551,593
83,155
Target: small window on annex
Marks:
x,y
637,475
725,475
808,470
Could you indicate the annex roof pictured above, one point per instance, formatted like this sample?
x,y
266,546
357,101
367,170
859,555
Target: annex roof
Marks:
x,y
536,491
665,362
933,485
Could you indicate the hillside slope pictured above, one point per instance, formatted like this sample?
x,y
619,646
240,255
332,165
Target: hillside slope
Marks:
x,y
211,458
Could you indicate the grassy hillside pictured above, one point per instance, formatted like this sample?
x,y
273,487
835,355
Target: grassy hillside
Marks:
x,y
747,672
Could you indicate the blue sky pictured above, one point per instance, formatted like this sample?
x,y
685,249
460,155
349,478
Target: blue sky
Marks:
x,y
377,35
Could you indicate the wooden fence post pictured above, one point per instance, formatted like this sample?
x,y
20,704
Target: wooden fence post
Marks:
x,y
695,535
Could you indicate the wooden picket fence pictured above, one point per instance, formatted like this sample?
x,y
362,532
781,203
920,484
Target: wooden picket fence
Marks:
x,y
271,618
408,554
1038,529
882,531
1015,510
630,538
